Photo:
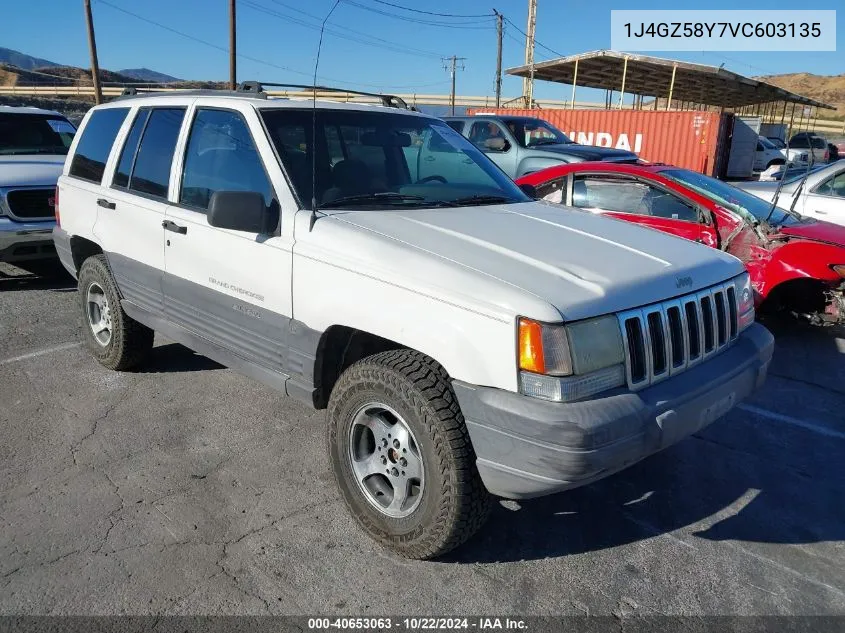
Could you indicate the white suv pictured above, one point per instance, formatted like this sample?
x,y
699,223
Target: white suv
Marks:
x,y
464,338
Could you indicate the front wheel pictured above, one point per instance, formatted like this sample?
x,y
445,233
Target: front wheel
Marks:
x,y
402,456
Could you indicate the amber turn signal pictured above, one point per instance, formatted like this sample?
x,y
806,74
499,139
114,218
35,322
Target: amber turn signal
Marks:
x,y
531,347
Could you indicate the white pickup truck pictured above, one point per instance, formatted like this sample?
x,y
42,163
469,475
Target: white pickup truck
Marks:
x,y
464,338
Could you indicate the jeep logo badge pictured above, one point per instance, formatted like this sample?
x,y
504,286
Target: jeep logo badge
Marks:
x,y
683,282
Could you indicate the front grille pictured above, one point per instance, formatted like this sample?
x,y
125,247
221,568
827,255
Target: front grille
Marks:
x,y
667,338
27,204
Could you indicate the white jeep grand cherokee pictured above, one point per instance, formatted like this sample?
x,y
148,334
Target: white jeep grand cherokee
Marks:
x,y
464,338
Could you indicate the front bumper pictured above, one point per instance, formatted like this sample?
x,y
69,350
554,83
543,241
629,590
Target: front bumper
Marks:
x,y
530,448
25,241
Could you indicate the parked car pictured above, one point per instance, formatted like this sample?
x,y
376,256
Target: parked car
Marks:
x,y
521,145
767,155
463,337
833,152
796,263
33,146
820,195
813,142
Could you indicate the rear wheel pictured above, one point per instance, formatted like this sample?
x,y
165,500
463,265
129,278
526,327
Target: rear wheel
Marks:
x,y
402,456
114,339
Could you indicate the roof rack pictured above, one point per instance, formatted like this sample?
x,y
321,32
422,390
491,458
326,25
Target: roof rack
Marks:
x,y
130,92
389,101
256,90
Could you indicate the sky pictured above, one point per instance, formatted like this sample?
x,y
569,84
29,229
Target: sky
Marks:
x,y
367,45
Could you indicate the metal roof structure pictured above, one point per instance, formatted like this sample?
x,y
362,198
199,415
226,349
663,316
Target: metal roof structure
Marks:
x,y
661,78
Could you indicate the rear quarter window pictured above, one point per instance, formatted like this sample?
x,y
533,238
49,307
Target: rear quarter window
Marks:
x,y
92,151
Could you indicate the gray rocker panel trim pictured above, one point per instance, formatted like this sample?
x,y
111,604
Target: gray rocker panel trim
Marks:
x,y
260,343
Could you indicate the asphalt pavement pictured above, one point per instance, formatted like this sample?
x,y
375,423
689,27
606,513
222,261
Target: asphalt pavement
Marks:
x,y
185,488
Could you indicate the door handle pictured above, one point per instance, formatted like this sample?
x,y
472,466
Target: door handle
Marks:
x,y
429,158
820,212
172,226
105,203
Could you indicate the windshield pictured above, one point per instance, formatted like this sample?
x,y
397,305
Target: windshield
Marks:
x,y
767,143
533,132
750,207
794,175
34,134
383,159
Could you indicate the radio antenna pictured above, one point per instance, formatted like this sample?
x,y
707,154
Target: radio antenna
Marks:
x,y
314,122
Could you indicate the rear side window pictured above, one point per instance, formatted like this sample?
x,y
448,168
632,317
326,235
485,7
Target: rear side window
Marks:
x,y
151,173
221,156
127,155
92,152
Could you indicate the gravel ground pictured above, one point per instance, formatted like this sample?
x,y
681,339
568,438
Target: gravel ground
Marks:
x,y
184,488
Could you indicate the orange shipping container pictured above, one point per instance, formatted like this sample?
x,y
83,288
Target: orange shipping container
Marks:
x,y
689,139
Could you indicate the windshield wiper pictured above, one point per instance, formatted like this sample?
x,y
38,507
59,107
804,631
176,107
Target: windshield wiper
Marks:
x,y
384,197
546,141
479,200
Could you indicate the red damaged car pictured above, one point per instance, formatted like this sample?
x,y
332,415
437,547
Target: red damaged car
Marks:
x,y
796,263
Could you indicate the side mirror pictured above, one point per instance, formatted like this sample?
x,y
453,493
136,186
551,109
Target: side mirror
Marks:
x,y
497,144
242,211
529,190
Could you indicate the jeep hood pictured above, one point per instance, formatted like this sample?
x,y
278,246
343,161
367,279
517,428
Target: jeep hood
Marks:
x,y
30,170
586,152
580,263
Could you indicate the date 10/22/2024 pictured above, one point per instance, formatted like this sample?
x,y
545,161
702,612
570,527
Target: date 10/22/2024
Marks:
x,y
418,624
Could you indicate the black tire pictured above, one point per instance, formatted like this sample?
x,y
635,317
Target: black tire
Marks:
x,y
776,161
453,503
129,341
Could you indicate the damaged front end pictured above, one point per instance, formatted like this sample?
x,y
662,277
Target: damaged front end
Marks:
x,y
833,312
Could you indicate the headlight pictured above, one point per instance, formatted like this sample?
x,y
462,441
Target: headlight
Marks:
x,y
744,301
839,269
569,362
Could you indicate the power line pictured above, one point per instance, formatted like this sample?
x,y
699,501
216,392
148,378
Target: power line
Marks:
x,y
540,44
241,55
376,42
198,40
444,15
472,25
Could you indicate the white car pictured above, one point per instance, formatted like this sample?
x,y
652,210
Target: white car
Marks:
x,y
464,338
33,146
819,193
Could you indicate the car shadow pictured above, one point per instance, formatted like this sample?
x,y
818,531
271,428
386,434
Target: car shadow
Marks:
x,y
747,477
175,358
59,282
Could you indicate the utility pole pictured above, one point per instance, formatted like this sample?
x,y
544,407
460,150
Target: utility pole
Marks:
x,y
233,46
528,82
498,58
92,47
452,67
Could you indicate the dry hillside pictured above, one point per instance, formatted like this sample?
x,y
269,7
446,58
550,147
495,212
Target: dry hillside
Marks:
x,y
826,88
